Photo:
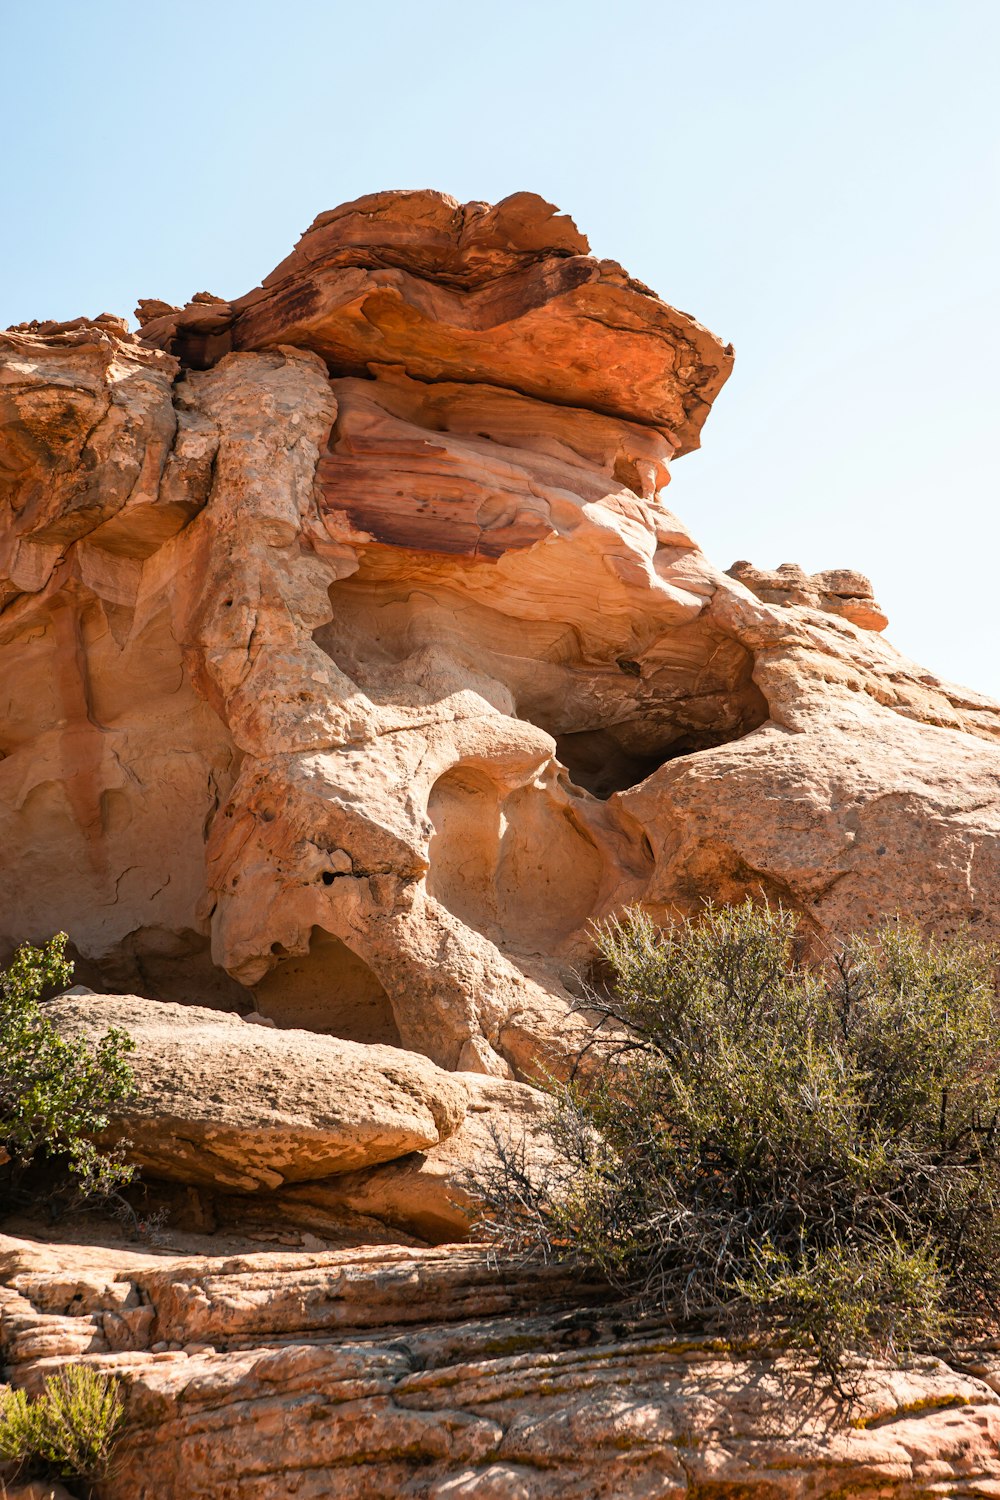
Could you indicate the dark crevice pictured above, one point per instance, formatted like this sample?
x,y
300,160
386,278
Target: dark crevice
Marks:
x,y
608,759
598,761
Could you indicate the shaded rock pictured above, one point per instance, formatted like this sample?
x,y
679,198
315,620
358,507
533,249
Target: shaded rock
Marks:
x,y
228,1105
36,1489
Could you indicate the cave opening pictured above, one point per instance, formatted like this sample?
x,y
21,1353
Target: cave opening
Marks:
x,y
692,691
614,759
599,763
330,990
615,720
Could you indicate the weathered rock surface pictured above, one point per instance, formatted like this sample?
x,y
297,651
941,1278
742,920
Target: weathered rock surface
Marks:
x,y
351,665
431,1374
428,1193
491,294
840,591
227,1104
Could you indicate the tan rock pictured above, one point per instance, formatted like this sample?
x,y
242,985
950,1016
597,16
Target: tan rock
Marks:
x,y
430,1193
229,1105
353,667
438,1374
846,823
840,591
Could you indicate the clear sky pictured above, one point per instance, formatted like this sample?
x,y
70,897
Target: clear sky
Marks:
x,y
817,182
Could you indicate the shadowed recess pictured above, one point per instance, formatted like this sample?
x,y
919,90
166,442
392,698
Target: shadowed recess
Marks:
x,y
329,990
517,865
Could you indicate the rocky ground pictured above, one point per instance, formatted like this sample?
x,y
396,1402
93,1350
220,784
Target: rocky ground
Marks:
x,y
351,665
393,1371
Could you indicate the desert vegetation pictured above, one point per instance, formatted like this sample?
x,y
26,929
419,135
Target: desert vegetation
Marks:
x,y
56,1092
766,1148
69,1431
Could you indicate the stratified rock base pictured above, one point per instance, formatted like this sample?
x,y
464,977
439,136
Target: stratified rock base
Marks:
x,y
395,1372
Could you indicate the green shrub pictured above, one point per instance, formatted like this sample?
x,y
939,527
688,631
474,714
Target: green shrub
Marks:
x,y
55,1092
757,1147
69,1431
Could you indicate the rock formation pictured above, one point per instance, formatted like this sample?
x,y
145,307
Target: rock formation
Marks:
x,y
225,1104
366,1375
351,664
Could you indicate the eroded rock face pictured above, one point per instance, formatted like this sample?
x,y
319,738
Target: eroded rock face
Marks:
x,y
492,294
431,1374
351,663
840,591
428,1194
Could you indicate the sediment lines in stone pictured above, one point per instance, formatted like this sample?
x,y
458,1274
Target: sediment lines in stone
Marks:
x,y
351,655
351,666
434,1374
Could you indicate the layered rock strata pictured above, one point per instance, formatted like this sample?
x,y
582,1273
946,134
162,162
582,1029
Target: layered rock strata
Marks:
x,y
352,664
438,1374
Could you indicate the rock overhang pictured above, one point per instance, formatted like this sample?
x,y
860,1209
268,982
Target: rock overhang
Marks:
x,y
506,295
367,656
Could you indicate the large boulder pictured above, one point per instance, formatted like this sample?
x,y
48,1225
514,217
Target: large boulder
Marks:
x,y
227,1104
432,1194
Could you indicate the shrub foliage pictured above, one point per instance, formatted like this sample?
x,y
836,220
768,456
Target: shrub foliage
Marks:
x,y
755,1145
67,1432
55,1092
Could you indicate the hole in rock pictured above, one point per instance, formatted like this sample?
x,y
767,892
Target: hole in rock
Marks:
x,y
595,760
678,709
331,990
518,867
605,761
614,721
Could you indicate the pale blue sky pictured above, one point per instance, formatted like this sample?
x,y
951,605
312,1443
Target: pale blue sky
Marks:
x,y
819,183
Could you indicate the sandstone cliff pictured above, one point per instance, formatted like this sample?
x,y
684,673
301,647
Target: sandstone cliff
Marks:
x,y
351,663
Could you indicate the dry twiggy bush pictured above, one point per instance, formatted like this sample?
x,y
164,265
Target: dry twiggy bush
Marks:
x,y
762,1148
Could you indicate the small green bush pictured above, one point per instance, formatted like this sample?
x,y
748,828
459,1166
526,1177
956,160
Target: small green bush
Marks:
x,y
757,1147
55,1092
69,1431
